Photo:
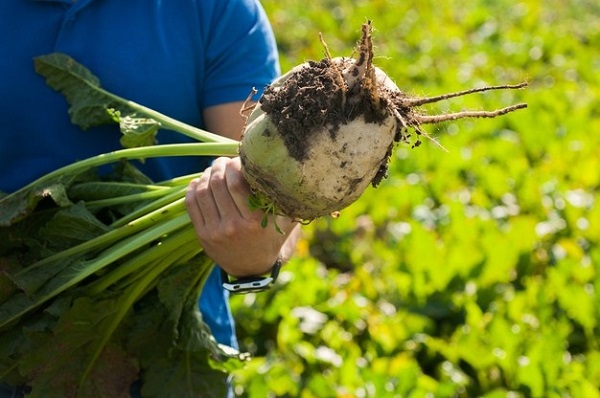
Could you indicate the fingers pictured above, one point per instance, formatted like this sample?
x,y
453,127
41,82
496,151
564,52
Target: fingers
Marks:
x,y
240,190
195,191
219,185
221,193
229,231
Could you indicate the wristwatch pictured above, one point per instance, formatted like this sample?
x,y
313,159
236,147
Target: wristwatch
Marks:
x,y
251,284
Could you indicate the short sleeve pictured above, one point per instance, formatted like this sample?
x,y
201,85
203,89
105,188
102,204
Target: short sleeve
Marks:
x,y
240,51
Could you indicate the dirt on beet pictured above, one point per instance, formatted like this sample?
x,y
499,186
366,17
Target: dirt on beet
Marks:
x,y
313,98
317,99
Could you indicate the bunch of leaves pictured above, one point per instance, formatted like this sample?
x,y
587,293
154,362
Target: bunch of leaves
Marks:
x,y
100,275
472,273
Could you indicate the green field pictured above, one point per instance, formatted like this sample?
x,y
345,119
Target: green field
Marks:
x,y
472,273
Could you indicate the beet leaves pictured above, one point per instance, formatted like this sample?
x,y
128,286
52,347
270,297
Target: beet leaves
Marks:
x,y
100,277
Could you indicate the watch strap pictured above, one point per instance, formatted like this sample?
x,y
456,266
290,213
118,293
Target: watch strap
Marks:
x,y
251,284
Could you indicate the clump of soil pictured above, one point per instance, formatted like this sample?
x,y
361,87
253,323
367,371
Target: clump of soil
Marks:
x,y
315,97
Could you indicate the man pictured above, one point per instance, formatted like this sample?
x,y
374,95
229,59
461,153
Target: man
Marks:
x,y
194,60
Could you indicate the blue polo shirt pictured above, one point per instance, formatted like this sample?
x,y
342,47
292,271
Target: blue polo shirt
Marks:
x,y
176,56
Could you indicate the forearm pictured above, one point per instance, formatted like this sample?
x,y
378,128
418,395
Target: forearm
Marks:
x,y
257,255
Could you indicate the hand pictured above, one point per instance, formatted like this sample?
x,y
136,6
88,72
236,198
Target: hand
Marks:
x,y
229,231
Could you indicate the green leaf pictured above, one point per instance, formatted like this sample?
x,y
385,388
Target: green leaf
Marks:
x,y
137,131
67,346
179,285
127,172
78,269
183,374
168,370
178,354
179,291
22,203
88,102
19,205
67,228
17,340
97,190
71,226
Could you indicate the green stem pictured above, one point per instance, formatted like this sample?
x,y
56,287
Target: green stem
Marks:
x,y
123,248
165,150
169,202
132,198
107,257
83,190
168,122
134,292
190,251
171,245
167,212
9,369
180,127
180,180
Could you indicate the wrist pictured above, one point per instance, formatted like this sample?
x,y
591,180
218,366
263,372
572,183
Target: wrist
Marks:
x,y
248,267
252,283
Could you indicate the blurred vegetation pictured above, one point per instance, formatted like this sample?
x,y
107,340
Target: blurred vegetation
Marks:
x,y
468,273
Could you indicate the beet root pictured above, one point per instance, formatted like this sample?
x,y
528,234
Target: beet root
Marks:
x,y
325,131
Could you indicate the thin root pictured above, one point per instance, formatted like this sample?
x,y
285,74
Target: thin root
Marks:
x,y
429,137
325,47
425,119
429,100
370,82
340,77
358,72
248,104
399,117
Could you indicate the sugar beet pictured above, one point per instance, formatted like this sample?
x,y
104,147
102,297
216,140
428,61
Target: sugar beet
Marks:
x,y
324,131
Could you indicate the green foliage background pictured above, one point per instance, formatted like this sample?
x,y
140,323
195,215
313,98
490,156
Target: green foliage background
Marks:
x,y
468,273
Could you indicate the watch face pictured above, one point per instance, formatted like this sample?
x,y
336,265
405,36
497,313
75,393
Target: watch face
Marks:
x,y
248,285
